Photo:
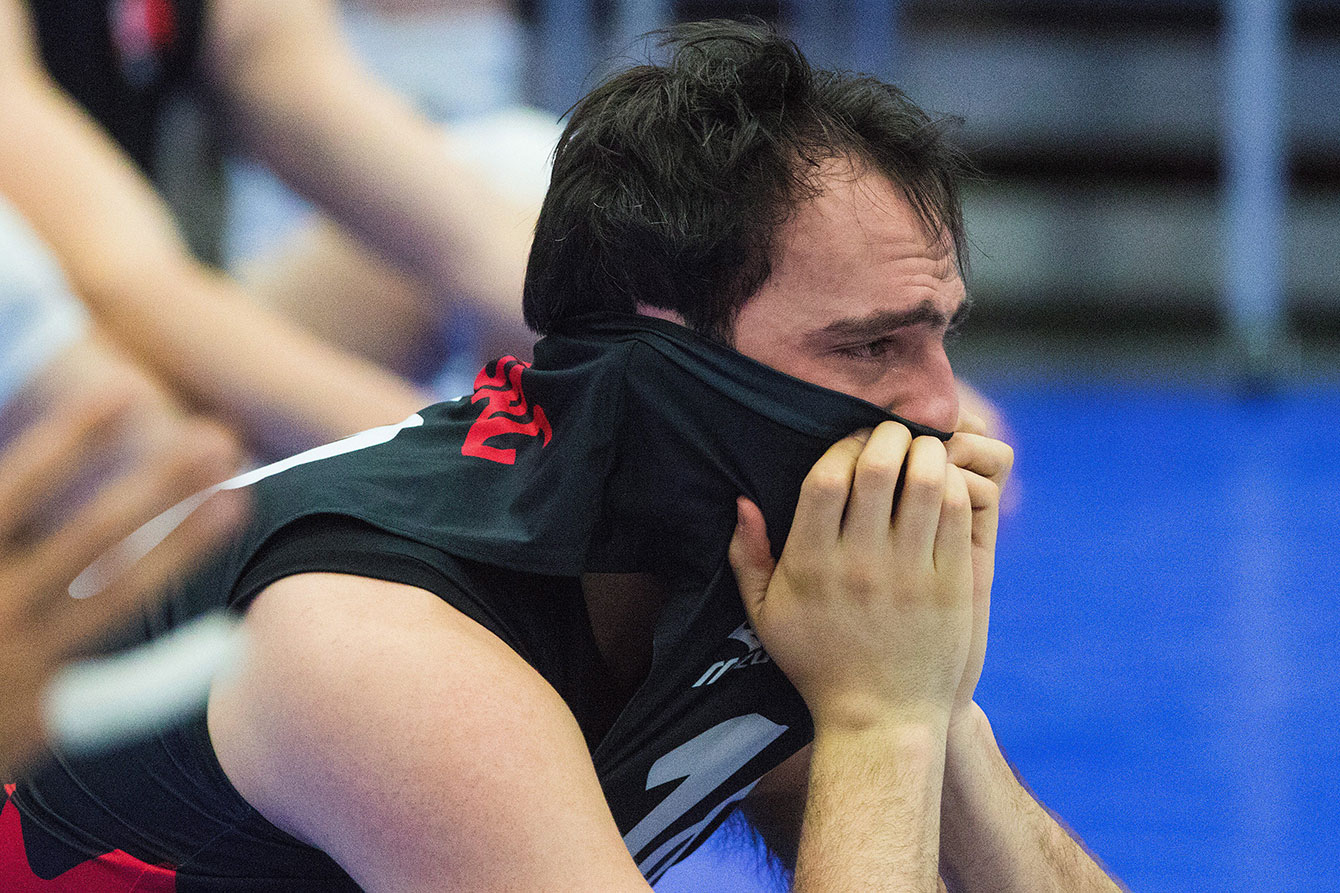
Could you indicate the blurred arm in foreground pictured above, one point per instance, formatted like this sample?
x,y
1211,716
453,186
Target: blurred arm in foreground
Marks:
x,y
44,626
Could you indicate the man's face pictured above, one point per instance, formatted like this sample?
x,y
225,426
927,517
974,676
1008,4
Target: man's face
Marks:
x,y
860,300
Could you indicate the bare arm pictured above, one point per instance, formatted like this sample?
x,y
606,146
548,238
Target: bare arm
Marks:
x,y
996,836
197,329
300,102
468,770
884,781
42,551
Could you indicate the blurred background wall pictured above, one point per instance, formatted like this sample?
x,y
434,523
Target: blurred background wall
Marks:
x,y
1107,132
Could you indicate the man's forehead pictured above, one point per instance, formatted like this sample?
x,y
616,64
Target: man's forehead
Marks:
x,y
857,215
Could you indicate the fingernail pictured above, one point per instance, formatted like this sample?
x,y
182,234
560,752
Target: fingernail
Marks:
x,y
863,434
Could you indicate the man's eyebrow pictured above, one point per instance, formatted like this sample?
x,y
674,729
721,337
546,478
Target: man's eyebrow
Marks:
x,y
884,322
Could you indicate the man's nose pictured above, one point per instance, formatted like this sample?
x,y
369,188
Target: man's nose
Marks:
x,y
932,398
940,413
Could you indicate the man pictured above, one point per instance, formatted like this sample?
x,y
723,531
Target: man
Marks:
x,y
501,645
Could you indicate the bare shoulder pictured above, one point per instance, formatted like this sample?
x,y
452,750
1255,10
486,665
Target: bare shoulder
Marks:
x,y
456,752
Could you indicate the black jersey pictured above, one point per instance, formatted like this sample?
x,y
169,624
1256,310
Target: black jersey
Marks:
x,y
621,450
121,60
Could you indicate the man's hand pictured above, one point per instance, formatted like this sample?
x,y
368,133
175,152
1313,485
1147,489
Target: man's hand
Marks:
x,y
869,614
868,611
986,465
43,625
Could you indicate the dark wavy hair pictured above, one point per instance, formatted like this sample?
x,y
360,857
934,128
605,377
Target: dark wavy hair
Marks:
x,y
670,181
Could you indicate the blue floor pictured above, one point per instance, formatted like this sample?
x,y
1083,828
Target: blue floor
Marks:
x,y
1164,664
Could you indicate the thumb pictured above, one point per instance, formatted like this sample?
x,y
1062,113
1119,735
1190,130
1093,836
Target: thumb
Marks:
x,y
750,555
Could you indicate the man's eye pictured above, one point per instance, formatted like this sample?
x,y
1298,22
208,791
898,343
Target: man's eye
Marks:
x,y
870,350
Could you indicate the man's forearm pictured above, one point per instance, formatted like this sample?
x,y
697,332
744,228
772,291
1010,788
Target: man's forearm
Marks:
x,y
873,812
284,389
303,105
281,388
994,835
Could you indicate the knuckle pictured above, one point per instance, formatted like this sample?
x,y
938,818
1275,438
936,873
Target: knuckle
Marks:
x,y
826,483
992,490
999,453
860,579
847,449
956,501
980,487
878,468
931,446
923,482
802,574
